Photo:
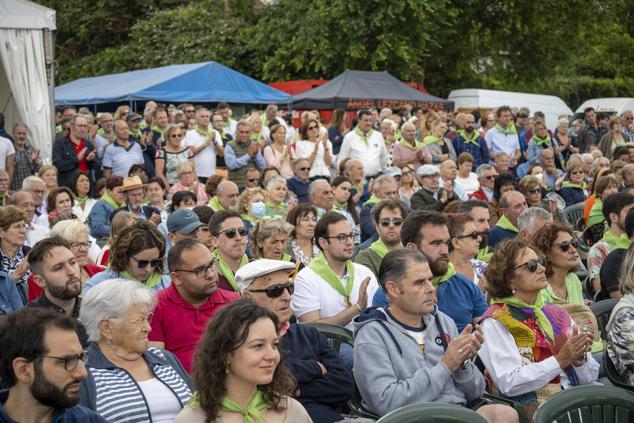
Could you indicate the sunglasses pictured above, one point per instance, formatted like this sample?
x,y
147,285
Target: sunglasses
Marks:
x,y
577,172
534,191
490,177
252,180
473,235
305,169
531,265
312,127
231,233
397,221
144,263
565,245
275,291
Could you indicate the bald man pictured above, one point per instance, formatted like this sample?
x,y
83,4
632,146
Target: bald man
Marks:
x,y
226,196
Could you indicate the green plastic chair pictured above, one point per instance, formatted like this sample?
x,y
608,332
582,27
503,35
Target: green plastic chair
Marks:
x,y
430,412
602,311
613,375
572,214
336,334
587,404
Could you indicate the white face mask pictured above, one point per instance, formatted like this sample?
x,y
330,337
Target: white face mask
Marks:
x,y
258,208
539,176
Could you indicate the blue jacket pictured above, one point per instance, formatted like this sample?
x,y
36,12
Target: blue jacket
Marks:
x,y
479,152
572,195
497,235
10,299
76,414
99,219
300,188
458,297
367,224
66,161
320,394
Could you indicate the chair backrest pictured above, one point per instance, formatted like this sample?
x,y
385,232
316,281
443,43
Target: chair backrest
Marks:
x,y
613,375
573,213
336,334
588,403
602,311
425,412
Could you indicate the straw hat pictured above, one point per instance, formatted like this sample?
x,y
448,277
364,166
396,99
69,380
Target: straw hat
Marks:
x,y
131,182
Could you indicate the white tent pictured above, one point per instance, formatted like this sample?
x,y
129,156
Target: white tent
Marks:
x,y
26,70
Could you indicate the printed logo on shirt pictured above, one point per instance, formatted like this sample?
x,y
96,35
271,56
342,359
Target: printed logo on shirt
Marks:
x,y
438,340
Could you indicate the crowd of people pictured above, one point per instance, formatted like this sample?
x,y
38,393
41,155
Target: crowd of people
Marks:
x,y
165,266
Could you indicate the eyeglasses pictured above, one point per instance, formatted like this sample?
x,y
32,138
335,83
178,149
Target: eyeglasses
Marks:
x,y
305,169
231,233
490,177
343,237
85,245
577,172
143,319
252,180
144,263
531,265
275,291
202,271
397,221
176,135
312,127
70,361
565,245
534,191
473,235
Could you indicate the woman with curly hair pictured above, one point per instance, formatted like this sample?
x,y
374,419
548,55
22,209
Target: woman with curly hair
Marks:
x,y
239,373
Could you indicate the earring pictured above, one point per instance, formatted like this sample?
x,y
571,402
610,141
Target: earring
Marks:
x,y
513,291
227,367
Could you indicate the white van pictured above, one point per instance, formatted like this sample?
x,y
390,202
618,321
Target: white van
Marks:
x,y
610,105
469,99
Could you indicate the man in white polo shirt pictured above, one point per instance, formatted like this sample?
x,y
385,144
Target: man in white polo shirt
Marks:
x,y
365,144
205,145
503,137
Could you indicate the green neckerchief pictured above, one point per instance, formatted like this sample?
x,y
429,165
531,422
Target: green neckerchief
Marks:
x,y
81,201
3,198
431,139
143,124
225,270
151,282
136,134
596,213
286,257
619,242
542,321
409,146
259,138
248,217
451,272
204,133
484,254
545,142
504,223
380,248
337,206
510,129
227,124
364,137
469,140
570,184
276,208
108,199
372,200
320,266
252,411
214,203
58,129
103,134
159,130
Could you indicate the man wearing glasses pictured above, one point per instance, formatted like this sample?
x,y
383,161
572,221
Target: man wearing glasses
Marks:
x,y
56,271
231,238
431,196
191,300
41,361
388,216
324,384
75,151
486,177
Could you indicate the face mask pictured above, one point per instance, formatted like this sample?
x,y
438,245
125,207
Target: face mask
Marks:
x,y
539,176
258,208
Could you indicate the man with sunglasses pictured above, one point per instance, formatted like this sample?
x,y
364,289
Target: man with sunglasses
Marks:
x,y
512,204
479,211
365,144
486,178
324,384
300,182
384,187
41,362
205,145
388,216
186,306
242,154
470,141
231,239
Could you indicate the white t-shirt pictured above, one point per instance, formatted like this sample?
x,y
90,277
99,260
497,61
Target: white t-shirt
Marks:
x,y
161,401
36,233
205,160
313,293
469,184
372,154
6,150
304,149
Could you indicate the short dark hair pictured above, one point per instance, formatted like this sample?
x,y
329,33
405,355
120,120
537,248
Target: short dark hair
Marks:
x,y
621,150
296,213
204,213
363,112
390,205
218,218
222,105
588,110
395,264
629,223
615,203
321,229
22,335
114,181
503,109
176,252
469,205
500,181
42,249
410,231
179,197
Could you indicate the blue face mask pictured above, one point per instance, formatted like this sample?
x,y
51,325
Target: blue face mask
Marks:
x,y
258,208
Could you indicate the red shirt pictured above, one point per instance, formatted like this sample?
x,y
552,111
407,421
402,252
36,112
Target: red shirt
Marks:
x,y
179,325
83,164
35,290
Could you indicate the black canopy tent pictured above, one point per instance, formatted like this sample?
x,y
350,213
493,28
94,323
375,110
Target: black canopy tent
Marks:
x,y
366,89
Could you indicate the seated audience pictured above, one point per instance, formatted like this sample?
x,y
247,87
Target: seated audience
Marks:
x,y
300,181
99,217
463,248
302,245
573,188
276,206
13,250
486,178
610,273
270,237
226,197
321,196
512,204
231,239
430,196
384,188
82,196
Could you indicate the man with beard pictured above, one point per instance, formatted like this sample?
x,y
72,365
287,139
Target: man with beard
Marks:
x,y
41,361
469,140
458,297
191,300
75,151
231,239
27,160
226,197
55,269
479,211
388,216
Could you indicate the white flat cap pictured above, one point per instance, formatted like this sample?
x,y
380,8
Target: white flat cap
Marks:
x,y
250,271
427,170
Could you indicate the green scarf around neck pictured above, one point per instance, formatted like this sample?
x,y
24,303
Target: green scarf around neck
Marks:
x,y
469,139
510,129
252,412
151,282
108,199
225,270
546,142
619,242
431,139
364,137
542,321
320,266
372,200
450,273
596,213
248,218
380,248
504,223
214,203
409,146
204,133
103,134
81,201
570,184
484,254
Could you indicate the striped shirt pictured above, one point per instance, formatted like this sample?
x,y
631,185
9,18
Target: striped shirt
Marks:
x,y
120,159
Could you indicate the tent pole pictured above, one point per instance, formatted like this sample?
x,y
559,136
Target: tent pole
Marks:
x,y
50,65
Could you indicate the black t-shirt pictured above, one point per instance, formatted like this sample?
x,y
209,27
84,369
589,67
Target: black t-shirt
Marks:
x,y
609,272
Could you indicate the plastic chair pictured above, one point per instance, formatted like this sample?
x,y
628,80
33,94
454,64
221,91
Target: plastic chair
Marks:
x,y
613,375
588,403
602,311
425,412
573,213
336,334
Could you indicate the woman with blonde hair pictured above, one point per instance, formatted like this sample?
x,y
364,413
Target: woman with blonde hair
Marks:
x,y
259,132
613,138
49,175
279,154
187,181
171,155
439,146
270,237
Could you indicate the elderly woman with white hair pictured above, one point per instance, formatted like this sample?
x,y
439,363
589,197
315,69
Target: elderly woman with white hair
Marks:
x,y
76,233
567,141
276,192
270,237
128,381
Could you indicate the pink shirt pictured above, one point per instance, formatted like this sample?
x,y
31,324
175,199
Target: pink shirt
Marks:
x,y
400,152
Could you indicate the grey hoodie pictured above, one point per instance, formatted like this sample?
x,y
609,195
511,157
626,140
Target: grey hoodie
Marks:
x,y
391,371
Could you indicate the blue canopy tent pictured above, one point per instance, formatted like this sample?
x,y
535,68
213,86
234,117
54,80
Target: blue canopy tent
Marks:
x,y
208,82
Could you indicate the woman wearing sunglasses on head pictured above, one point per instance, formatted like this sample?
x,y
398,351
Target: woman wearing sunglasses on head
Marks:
x,y
136,254
533,349
573,188
464,246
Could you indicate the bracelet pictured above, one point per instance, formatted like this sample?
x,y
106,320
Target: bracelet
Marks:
x,y
359,308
